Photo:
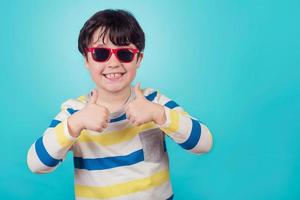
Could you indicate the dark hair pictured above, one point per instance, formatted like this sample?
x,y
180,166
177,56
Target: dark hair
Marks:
x,y
123,29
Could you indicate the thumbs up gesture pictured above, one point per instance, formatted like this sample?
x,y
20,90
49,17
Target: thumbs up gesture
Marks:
x,y
141,110
93,117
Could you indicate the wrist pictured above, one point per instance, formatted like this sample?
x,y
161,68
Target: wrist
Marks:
x,y
159,115
74,125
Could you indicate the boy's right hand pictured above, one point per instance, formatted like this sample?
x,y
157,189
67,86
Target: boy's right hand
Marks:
x,y
93,117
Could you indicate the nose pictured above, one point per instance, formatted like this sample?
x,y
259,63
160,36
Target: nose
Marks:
x,y
113,61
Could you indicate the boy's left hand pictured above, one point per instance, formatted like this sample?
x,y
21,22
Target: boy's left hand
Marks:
x,y
141,110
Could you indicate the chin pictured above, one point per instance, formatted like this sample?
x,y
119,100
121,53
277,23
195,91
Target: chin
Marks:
x,y
114,88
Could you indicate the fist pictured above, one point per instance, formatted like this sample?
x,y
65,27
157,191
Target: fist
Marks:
x,y
141,110
93,116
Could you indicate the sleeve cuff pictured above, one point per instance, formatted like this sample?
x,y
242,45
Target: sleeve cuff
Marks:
x,y
168,119
63,136
66,131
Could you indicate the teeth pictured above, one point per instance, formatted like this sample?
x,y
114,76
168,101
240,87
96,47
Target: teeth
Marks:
x,y
113,75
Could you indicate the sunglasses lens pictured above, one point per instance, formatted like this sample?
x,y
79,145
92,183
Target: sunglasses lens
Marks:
x,y
101,54
125,55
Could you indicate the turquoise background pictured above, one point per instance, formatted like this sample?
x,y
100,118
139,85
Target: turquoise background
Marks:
x,y
232,64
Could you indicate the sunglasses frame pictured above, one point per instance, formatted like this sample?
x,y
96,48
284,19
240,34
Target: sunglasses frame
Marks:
x,y
113,51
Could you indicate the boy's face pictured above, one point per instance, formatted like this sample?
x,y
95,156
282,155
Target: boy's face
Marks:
x,y
106,74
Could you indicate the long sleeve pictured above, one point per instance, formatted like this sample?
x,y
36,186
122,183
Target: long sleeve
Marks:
x,y
187,131
50,149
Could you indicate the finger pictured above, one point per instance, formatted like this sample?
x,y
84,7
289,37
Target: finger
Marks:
x,y
105,125
137,123
99,129
126,108
94,97
138,91
105,111
106,117
132,120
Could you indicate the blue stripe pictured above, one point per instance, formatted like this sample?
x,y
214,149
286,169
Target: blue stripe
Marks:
x,y
170,198
108,162
71,111
194,137
54,123
171,104
43,155
118,118
151,96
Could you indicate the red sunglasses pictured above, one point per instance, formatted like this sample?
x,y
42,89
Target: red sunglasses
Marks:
x,y
102,54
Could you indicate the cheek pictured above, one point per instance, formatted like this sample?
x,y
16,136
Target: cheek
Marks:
x,y
131,70
94,67
95,72
131,75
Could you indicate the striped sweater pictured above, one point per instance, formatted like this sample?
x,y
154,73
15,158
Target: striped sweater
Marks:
x,y
123,161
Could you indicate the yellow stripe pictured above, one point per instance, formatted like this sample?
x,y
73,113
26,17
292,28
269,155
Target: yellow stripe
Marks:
x,y
122,188
82,99
61,137
115,137
174,124
183,112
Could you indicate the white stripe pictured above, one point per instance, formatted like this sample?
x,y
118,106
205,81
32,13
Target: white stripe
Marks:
x,y
73,103
119,174
95,150
114,126
147,91
61,116
162,99
205,142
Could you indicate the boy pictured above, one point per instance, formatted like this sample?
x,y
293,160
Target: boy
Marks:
x,y
117,132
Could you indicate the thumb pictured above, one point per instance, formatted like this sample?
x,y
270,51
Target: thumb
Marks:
x,y
138,91
94,97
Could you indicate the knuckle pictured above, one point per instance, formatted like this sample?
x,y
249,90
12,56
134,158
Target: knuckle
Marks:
x,y
98,127
105,125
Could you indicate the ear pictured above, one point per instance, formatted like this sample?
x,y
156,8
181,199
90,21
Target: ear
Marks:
x,y
138,62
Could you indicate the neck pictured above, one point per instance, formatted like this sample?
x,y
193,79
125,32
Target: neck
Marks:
x,y
116,98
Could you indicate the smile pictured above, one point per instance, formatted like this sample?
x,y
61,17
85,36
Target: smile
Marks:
x,y
113,76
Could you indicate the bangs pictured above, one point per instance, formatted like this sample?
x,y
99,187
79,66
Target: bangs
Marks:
x,y
119,36
121,27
